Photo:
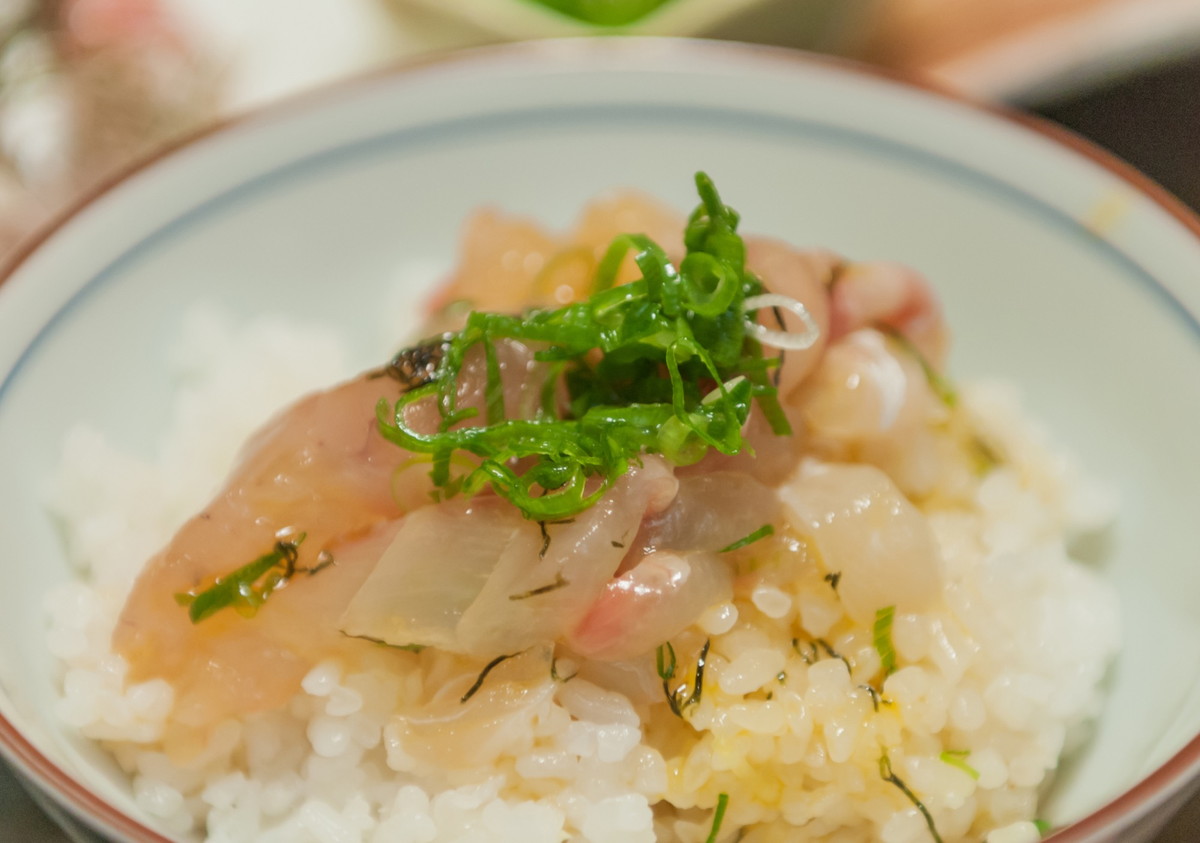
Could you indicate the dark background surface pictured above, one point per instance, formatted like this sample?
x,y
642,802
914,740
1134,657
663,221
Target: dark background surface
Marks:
x,y
1151,120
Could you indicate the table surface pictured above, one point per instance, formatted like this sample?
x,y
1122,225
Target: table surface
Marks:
x,y
1151,120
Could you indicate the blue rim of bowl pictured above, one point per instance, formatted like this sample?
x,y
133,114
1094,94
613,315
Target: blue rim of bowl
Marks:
x,y
1166,781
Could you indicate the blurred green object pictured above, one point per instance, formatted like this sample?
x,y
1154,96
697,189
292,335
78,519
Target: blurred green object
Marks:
x,y
830,26
604,12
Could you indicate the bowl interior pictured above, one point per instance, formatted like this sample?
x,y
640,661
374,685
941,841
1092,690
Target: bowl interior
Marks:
x,y
1056,274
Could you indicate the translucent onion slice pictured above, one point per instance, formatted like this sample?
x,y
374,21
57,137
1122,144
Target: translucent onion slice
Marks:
x,y
535,596
434,569
477,578
787,340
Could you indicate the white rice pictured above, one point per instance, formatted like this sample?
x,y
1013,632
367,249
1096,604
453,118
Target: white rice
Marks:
x,y
1006,666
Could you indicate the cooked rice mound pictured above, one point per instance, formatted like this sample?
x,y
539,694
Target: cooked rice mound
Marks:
x,y
801,730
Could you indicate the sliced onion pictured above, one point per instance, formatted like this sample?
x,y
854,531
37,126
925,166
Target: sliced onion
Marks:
x,y
479,579
532,597
787,340
434,569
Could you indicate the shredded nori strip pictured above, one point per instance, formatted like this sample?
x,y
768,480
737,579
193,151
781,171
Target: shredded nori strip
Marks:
x,y
559,582
679,698
483,675
834,654
886,773
875,698
546,534
412,648
811,655
554,672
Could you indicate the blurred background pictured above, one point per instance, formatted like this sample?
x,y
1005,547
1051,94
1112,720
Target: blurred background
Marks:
x,y
89,87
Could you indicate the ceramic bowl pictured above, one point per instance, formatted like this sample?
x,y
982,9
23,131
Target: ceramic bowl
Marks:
x,y
1060,269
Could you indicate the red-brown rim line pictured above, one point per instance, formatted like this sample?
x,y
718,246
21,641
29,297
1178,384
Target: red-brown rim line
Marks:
x,y
83,802
79,801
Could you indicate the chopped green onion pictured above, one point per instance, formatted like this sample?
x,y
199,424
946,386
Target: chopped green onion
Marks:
x,y
665,662
718,817
882,633
983,456
668,364
761,533
664,659
248,587
1043,827
958,758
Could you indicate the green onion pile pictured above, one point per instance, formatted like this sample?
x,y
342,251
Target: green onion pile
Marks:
x,y
667,364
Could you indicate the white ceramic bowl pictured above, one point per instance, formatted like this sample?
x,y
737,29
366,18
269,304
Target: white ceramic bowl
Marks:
x,y
1060,269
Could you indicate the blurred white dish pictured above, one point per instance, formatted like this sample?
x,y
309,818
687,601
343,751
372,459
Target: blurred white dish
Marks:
x,y
273,48
1060,270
